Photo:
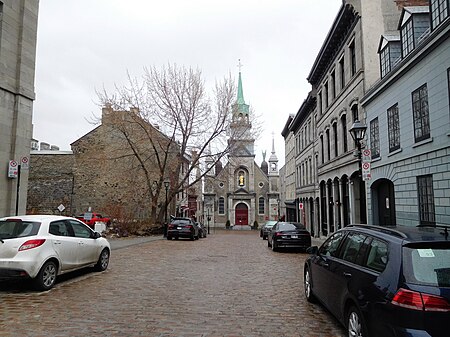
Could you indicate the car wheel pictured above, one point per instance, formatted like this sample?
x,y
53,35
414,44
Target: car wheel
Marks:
x,y
46,277
355,324
274,246
268,243
264,237
169,238
192,237
308,287
103,260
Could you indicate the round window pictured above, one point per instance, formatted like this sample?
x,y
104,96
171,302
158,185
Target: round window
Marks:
x,y
221,185
261,184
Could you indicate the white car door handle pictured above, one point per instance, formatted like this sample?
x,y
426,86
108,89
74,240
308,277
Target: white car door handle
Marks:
x,y
57,242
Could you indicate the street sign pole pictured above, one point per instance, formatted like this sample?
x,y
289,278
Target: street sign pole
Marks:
x,y
18,189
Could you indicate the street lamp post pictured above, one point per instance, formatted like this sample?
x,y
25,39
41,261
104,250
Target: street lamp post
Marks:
x,y
166,186
358,132
208,217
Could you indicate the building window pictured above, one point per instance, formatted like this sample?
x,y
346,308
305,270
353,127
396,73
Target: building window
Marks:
x,y
393,128
439,12
342,72
335,138
333,84
448,84
325,93
322,149
421,114
374,138
355,114
320,103
352,58
328,144
407,38
426,200
261,204
344,132
385,62
222,205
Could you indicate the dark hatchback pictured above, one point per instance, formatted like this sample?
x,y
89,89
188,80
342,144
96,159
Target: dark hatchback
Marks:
x,y
182,228
288,235
384,281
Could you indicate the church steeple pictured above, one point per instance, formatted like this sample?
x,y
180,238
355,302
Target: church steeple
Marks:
x,y
273,160
240,109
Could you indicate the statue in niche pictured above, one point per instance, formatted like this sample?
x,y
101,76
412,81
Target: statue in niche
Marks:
x,y
241,179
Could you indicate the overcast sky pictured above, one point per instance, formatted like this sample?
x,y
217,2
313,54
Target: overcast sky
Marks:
x,y
86,45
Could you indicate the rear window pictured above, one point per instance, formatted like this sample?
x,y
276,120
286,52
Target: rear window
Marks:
x,y
180,222
11,229
427,264
290,226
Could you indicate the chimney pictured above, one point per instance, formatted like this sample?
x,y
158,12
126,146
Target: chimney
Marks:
x,y
409,3
44,146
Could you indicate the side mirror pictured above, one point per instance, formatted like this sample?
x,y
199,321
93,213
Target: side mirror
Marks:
x,y
313,250
97,235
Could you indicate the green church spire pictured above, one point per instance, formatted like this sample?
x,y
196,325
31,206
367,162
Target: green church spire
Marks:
x,y
240,96
241,107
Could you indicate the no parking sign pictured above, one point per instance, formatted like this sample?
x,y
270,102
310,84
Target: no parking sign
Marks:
x,y
13,169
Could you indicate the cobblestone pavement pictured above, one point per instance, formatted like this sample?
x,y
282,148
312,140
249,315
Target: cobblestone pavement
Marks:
x,y
229,284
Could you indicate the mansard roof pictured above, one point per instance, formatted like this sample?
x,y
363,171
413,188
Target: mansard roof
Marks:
x,y
341,27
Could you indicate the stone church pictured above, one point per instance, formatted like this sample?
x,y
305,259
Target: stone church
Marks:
x,y
242,193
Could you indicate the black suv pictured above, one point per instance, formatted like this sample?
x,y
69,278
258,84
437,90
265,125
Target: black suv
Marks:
x,y
182,228
384,281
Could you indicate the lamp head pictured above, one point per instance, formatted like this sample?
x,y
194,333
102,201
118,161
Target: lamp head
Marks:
x,y
358,131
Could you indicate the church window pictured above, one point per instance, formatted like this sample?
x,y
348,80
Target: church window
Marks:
x,y
221,205
261,205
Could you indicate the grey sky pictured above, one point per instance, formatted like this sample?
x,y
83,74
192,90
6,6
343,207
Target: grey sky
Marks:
x,y
86,45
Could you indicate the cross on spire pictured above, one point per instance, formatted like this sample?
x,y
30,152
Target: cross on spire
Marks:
x,y
240,65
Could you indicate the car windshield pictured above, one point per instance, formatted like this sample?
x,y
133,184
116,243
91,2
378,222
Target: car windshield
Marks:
x,y
427,264
270,223
11,229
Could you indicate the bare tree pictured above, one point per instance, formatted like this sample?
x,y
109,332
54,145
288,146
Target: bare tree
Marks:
x,y
171,115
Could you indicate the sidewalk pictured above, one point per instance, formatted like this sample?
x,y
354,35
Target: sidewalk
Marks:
x,y
118,243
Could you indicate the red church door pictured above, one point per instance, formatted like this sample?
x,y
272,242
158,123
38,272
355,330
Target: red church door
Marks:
x,y
241,215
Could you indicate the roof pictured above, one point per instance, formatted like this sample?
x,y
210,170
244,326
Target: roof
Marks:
x,y
387,38
37,217
407,12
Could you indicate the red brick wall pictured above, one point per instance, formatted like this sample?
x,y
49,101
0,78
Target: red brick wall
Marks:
x,y
407,3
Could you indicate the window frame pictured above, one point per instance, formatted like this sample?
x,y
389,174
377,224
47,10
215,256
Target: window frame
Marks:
x,y
425,200
375,138
421,113
407,37
261,206
352,51
439,12
385,61
221,206
393,119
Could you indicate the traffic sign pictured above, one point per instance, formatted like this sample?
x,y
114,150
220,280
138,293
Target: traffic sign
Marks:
x,y
61,208
13,169
24,163
300,205
366,171
366,155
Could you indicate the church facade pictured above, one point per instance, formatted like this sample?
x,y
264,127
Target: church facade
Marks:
x,y
242,194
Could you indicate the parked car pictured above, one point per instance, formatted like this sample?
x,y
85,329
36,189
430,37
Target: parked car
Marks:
x,y
288,235
383,281
202,231
265,229
91,219
182,228
41,247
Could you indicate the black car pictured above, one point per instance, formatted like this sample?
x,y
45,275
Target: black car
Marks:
x,y
182,228
202,231
384,281
288,234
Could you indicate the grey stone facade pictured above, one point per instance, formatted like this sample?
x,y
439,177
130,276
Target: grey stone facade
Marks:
x,y
18,31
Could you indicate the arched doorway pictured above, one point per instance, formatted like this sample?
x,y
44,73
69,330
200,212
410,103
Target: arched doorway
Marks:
x,y
241,215
384,202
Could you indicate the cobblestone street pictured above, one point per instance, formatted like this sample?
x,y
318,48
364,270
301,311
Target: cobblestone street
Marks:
x,y
229,284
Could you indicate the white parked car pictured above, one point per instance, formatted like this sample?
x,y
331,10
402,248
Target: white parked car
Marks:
x,y
41,247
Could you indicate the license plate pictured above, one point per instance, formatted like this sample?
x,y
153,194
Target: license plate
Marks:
x,y
294,236
178,227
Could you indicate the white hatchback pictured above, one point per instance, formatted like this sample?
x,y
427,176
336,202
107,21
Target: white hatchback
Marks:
x,y
41,247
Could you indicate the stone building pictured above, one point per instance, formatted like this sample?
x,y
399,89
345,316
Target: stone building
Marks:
x,y
113,169
18,31
329,187
241,192
408,119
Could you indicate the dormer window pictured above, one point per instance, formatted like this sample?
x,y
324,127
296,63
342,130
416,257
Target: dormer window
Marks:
x,y
439,12
390,53
414,27
407,38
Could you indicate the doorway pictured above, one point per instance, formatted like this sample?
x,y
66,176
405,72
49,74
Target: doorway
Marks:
x,y
385,199
241,215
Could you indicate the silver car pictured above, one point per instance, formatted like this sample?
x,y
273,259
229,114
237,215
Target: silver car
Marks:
x,y
40,247
266,228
